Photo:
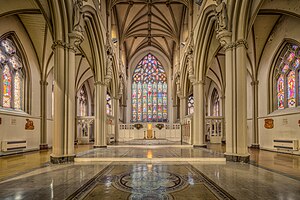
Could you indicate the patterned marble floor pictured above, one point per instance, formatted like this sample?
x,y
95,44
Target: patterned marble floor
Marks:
x,y
150,154
151,181
268,178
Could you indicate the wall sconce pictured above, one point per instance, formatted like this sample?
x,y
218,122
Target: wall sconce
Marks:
x,y
114,40
0,120
299,122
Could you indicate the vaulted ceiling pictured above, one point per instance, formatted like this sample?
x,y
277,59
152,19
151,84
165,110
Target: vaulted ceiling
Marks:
x,y
149,23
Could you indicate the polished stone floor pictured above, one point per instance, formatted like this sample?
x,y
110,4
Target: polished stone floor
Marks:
x,y
267,177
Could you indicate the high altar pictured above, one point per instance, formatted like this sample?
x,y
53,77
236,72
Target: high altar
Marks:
x,y
150,132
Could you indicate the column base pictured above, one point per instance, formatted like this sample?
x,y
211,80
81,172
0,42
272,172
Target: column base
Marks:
x,y
99,146
237,158
255,146
44,147
61,159
200,145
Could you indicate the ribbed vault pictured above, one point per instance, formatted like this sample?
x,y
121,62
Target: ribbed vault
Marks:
x,y
144,23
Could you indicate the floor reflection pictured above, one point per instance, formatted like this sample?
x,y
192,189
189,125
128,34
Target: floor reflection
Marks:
x,y
152,181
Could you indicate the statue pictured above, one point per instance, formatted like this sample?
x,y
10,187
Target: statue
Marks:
x,y
221,15
190,63
77,14
109,69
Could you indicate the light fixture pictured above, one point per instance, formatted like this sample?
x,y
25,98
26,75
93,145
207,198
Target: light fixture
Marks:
x,y
114,40
182,44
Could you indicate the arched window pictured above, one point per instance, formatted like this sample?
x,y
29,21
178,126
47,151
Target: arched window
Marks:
x,y
149,91
286,74
83,101
12,76
108,104
191,104
215,103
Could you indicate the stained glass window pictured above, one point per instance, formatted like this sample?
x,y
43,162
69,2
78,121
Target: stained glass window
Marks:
x,y
83,101
108,104
17,91
149,91
280,92
12,78
191,104
6,87
215,102
291,89
286,73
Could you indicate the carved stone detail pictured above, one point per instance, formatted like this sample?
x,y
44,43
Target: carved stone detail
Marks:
x,y
109,69
190,62
77,15
221,16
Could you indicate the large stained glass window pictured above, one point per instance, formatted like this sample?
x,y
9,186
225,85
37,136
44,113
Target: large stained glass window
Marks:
x,y
149,91
286,75
12,76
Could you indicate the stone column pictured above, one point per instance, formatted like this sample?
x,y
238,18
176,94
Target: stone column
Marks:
x,y
255,139
64,99
100,115
199,115
236,100
43,139
116,116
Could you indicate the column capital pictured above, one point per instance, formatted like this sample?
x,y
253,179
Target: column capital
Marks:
x,y
202,82
42,82
253,83
100,83
63,45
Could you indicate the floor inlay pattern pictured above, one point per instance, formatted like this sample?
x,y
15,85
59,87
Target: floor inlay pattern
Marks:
x,y
150,181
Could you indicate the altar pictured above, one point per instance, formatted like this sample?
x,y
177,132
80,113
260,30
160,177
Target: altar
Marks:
x,y
149,131
150,134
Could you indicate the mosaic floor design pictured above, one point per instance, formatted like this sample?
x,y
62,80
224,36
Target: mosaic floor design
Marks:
x,y
150,181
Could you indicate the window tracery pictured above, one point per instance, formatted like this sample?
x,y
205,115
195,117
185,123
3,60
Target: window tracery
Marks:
x,y
12,76
286,74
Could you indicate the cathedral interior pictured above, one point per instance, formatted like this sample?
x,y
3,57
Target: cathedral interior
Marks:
x,y
150,99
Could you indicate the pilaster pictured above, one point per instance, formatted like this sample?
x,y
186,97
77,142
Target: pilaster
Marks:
x,y
255,136
43,139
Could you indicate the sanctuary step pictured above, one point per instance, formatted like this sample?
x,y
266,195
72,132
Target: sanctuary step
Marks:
x,y
152,154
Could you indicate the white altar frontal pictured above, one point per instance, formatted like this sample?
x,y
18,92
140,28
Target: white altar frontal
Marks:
x,y
149,131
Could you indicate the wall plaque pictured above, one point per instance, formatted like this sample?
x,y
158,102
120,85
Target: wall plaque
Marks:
x,y
269,123
13,122
29,125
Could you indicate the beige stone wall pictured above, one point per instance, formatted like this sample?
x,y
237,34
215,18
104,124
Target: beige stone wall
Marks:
x,y
13,123
285,121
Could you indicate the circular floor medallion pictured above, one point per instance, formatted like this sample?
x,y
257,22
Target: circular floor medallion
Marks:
x,y
150,184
